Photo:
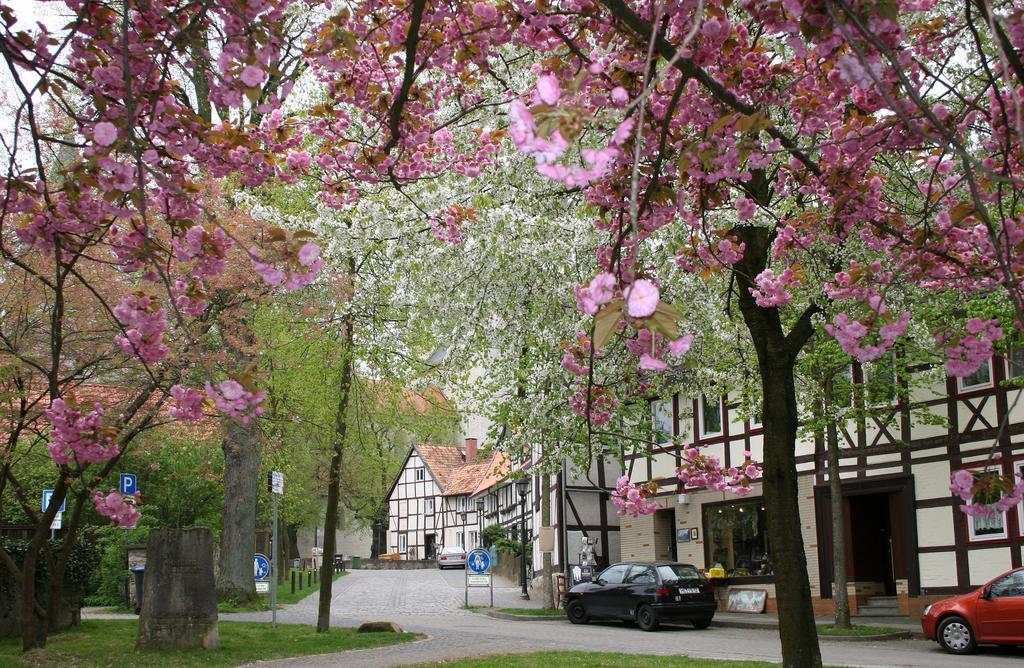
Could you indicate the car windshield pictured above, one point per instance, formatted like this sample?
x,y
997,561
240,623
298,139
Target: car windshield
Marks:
x,y
452,550
678,572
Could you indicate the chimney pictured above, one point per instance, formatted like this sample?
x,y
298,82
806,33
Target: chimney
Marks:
x,y
470,450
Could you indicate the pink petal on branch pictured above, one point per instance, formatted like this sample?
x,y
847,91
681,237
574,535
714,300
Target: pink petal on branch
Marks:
x,y
641,298
252,76
548,89
681,345
104,133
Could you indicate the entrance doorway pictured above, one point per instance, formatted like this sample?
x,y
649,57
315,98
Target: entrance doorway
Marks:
x,y
430,549
665,535
869,549
881,535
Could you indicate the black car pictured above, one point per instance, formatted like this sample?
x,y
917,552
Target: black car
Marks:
x,y
646,593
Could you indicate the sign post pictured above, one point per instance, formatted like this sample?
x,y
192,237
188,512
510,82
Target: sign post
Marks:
x,y
478,572
56,523
275,482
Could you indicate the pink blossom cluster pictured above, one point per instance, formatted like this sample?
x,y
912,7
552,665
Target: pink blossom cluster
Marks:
x,y
705,470
208,249
965,354
986,493
851,334
189,296
773,291
232,399
78,437
591,297
595,406
188,403
300,268
144,324
114,506
547,148
447,223
576,359
630,498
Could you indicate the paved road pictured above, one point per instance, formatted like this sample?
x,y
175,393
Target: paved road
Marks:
x,y
427,601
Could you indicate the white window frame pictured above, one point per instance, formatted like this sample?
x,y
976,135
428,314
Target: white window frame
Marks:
x,y
473,539
458,540
403,542
972,537
721,418
460,504
659,414
420,474
964,387
428,506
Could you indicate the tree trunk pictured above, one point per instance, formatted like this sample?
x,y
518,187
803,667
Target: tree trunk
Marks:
x,y
835,486
776,357
241,447
30,617
60,567
323,618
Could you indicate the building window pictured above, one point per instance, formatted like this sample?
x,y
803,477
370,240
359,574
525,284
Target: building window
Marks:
x,y
461,503
458,540
736,538
403,543
661,420
1020,506
980,378
428,506
473,539
710,415
987,527
1015,362
419,474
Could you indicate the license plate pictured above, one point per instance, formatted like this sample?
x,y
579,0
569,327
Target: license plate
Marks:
x,y
689,590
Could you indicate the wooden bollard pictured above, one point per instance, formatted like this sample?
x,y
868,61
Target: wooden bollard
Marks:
x,y
293,582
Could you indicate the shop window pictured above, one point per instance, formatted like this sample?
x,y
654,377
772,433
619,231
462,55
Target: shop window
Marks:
x,y
737,538
980,378
710,415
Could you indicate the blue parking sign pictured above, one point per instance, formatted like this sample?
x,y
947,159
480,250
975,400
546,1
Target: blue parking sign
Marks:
x,y
128,484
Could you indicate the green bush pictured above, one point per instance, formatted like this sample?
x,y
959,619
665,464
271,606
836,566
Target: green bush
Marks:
x,y
493,533
79,570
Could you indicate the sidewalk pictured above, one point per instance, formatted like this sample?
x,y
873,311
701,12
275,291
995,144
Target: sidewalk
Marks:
x,y
770,621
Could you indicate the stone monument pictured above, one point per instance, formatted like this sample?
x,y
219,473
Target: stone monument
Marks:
x,y
179,600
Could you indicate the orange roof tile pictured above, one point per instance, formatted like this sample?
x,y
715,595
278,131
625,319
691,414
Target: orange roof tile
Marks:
x,y
474,478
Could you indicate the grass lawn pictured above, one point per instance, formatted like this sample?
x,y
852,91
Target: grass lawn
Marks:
x,y
110,642
595,660
533,612
829,630
284,595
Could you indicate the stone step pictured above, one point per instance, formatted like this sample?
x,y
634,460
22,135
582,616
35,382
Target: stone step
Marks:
x,y
878,612
872,603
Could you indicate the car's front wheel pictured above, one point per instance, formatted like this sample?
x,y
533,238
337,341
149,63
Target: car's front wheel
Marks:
x,y
576,613
956,636
646,619
701,622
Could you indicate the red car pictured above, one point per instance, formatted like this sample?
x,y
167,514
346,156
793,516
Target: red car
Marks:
x,y
993,614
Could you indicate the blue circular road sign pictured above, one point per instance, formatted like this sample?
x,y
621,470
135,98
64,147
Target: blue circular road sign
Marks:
x,y
260,567
478,561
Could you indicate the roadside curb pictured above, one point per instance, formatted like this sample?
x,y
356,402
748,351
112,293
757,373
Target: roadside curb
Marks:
x,y
521,618
896,635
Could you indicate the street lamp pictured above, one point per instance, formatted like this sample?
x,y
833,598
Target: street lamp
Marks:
x,y
522,486
480,522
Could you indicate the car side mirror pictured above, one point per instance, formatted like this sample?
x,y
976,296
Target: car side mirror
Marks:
x,y
599,581
986,593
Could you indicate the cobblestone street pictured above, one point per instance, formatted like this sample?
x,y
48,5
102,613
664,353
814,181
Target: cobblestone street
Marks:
x,y
429,602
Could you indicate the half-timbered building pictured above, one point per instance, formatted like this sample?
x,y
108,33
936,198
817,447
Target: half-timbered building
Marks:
x,y
907,542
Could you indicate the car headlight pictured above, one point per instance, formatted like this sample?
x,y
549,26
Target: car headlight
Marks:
x,y
926,609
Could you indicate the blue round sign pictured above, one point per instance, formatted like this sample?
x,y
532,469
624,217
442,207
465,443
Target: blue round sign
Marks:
x,y
478,561
260,567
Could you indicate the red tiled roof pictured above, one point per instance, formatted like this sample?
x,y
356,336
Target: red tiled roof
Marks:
x,y
474,478
442,460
